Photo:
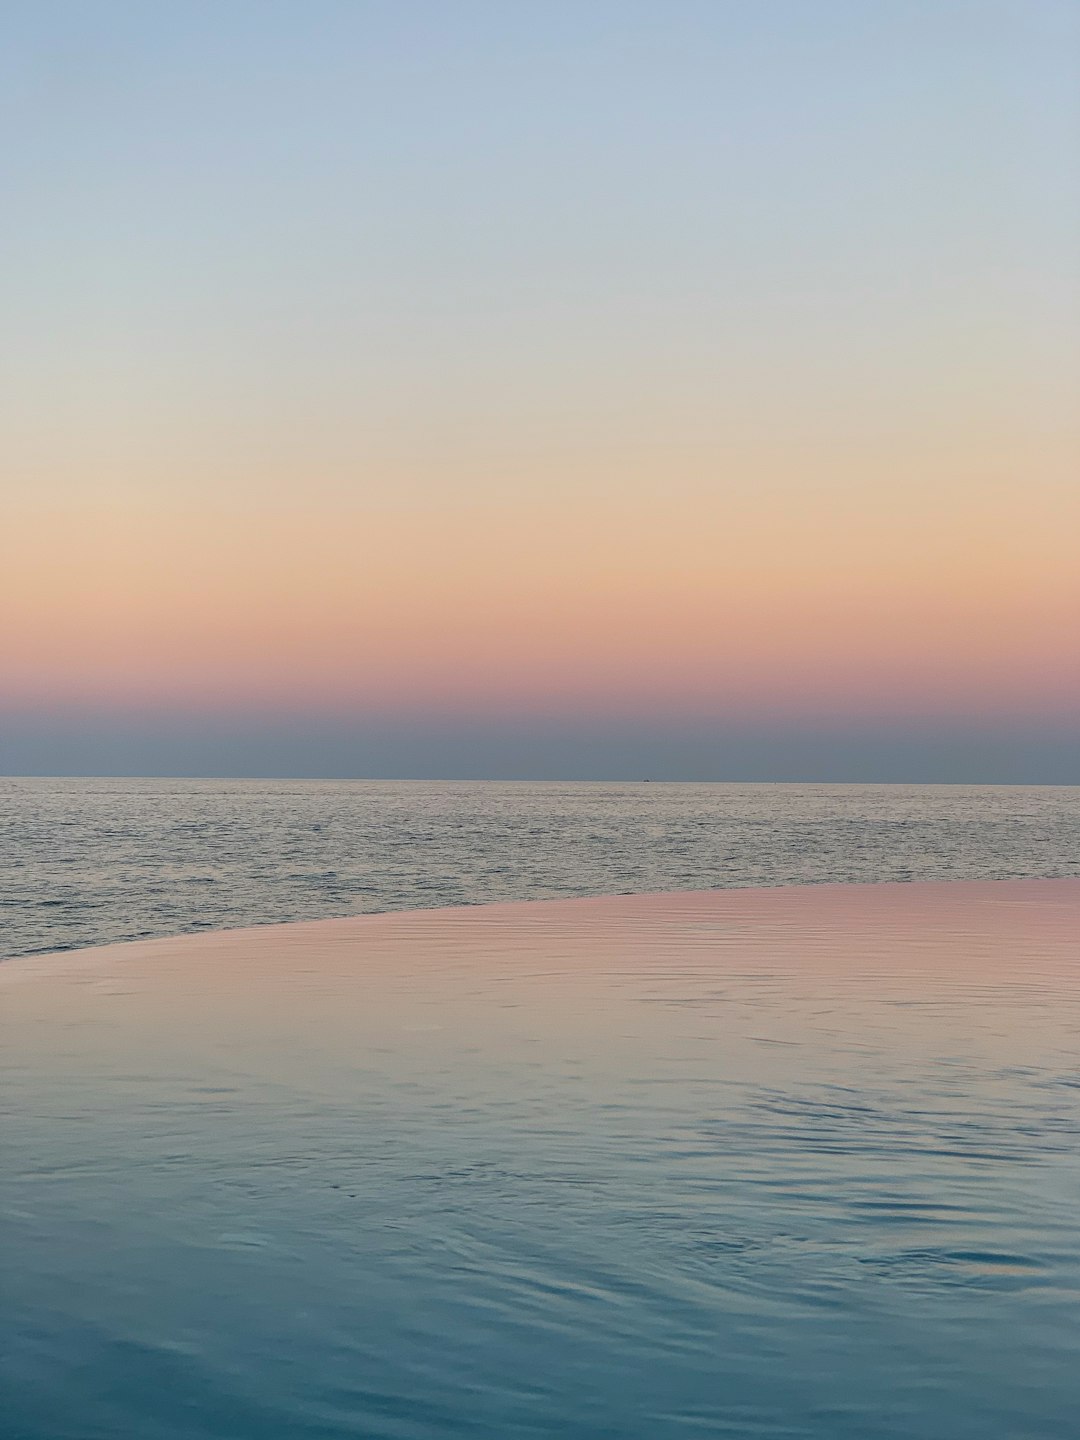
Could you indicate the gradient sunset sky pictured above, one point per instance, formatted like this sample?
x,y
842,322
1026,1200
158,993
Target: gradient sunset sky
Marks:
x,y
541,389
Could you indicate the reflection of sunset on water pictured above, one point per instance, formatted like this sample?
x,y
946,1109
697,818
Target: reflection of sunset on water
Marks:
x,y
773,1151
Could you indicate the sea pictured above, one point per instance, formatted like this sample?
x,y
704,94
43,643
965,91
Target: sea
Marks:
x,y
93,861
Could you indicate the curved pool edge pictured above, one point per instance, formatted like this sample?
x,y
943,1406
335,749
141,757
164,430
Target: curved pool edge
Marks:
x,y
56,963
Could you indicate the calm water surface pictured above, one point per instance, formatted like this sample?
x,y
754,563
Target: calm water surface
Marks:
x,y
791,1163
86,862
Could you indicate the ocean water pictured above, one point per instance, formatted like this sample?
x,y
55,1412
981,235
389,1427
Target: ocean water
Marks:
x,y
86,862
791,1164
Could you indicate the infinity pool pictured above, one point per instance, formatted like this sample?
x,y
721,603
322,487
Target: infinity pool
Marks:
x,y
789,1163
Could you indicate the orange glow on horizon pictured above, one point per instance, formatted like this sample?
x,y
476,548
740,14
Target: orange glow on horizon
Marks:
x,y
687,610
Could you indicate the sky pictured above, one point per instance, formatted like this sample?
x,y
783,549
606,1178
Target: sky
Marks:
x,y
683,389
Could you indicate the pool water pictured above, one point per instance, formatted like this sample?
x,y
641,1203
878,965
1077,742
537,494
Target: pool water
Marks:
x,y
765,1163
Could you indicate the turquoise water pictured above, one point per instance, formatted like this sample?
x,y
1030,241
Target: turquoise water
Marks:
x,y
87,862
788,1163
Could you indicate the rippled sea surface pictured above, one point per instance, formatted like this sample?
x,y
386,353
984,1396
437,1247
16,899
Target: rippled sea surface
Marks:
x,y
86,862
800,1162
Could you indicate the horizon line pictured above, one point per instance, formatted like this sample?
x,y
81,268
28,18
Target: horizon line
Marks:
x,y
547,780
